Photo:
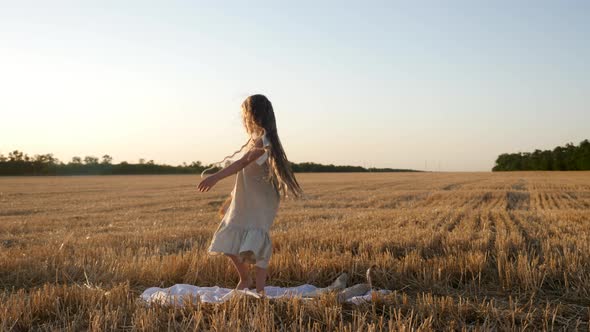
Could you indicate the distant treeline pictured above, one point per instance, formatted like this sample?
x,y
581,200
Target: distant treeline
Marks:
x,y
313,167
19,163
563,158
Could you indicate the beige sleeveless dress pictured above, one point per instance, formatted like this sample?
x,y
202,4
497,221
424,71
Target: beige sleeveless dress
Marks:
x,y
244,229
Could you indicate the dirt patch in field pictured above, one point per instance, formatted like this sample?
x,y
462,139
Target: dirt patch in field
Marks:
x,y
517,200
520,185
452,186
16,213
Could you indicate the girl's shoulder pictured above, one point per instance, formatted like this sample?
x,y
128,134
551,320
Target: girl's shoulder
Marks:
x,y
263,142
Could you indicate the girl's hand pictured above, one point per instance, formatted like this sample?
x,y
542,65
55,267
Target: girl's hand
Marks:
x,y
207,184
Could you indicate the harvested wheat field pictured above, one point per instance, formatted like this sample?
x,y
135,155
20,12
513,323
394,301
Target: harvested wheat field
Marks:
x,y
461,251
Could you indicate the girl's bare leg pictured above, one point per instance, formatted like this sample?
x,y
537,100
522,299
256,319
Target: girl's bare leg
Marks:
x,y
260,279
243,271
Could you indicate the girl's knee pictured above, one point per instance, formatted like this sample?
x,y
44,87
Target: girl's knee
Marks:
x,y
261,265
235,258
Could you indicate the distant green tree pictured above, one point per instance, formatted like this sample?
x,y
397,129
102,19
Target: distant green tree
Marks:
x,y
17,156
559,159
45,159
570,157
583,155
547,160
106,159
90,160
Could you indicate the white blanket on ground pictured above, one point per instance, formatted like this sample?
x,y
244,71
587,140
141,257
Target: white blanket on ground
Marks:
x,y
179,293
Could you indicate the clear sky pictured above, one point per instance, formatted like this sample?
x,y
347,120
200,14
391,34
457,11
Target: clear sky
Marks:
x,y
412,84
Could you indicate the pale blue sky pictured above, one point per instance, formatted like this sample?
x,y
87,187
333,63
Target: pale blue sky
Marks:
x,y
385,84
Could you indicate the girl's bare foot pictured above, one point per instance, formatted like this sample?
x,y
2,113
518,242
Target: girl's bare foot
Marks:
x,y
243,271
243,284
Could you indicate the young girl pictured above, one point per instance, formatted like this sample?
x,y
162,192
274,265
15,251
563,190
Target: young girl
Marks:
x,y
264,175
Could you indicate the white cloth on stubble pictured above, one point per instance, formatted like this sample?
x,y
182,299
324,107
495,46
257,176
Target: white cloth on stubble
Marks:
x,y
179,293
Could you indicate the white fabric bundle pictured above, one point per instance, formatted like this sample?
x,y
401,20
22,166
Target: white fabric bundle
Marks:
x,y
179,293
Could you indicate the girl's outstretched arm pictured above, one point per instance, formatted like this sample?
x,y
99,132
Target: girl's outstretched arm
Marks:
x,y
235,167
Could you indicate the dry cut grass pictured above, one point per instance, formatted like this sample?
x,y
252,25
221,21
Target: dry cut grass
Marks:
x,y
461,251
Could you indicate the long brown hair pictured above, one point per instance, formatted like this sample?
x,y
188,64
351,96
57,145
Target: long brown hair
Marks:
x,y
259,117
